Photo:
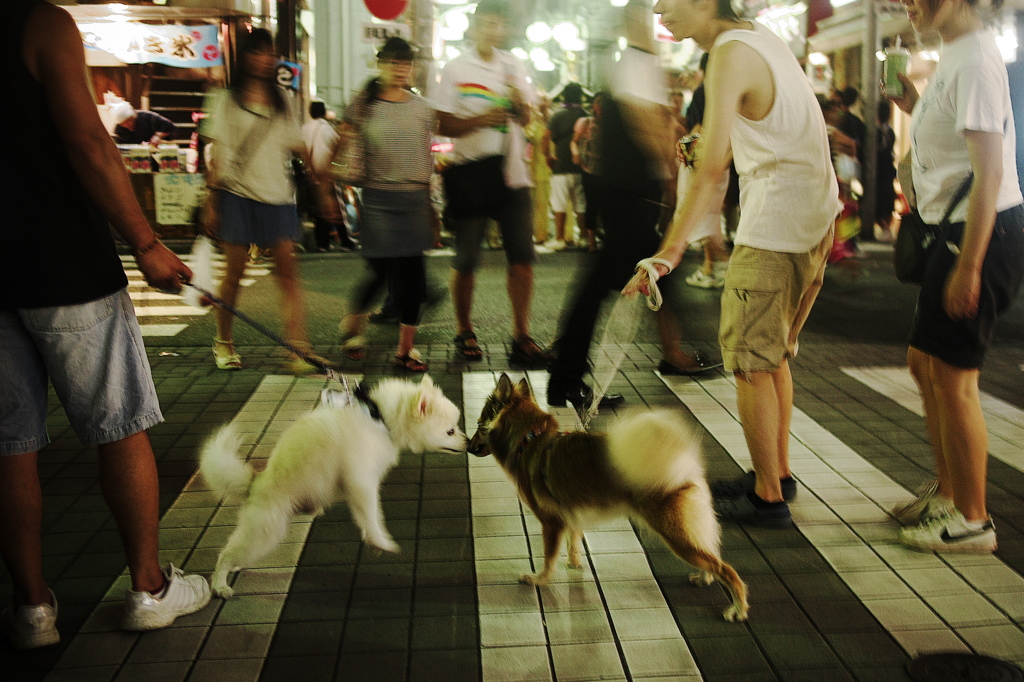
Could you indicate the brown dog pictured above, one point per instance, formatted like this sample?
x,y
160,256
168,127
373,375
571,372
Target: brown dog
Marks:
x,y
648,466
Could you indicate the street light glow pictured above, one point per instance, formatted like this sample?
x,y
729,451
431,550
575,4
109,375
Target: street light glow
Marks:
x,y
538,32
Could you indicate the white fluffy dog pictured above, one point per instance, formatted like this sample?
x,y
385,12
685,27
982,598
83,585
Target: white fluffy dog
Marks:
x,y
329,455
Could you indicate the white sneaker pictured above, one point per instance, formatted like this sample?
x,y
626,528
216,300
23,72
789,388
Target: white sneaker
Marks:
x,y
30,627
950,533
929,504
184,594
554,245
702,281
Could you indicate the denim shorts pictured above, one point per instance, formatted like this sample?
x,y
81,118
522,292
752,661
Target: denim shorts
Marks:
x,y
93,355
247,221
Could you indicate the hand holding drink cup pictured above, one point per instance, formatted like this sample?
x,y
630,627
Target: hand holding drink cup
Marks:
x,y
896,61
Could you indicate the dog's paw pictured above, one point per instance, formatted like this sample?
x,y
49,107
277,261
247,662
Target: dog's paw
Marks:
x,y
531,579
701,578
735,613
223,591
385,544
577,564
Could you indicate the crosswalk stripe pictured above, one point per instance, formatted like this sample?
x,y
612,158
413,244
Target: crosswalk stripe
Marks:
x,y
616,590
928,602
198,522
162,329
142,295
1005,422
170,311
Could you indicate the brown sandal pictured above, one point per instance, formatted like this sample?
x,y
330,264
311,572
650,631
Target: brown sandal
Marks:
x,y
466,344
411,361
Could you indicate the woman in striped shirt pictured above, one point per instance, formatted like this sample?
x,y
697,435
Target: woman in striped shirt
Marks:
x,y
395,126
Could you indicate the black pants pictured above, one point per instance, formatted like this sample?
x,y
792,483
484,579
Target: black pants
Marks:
x,y
593,194
630,235
406,279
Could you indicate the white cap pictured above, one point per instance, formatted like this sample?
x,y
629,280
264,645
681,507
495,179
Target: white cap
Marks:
x,y
121,112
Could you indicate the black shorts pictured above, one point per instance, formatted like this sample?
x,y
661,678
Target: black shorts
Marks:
x,y
963,343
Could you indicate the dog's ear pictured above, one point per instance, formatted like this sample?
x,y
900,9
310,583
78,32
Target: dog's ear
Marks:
x,y
504,389
423,404
523,389
426,382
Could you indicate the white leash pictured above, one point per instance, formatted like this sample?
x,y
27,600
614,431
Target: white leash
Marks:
x,y
654,299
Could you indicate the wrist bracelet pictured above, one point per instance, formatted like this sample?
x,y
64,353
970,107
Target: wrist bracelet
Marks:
x,y
143,250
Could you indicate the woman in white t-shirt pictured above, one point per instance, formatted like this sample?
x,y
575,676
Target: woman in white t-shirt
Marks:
x,y
252,200
962,125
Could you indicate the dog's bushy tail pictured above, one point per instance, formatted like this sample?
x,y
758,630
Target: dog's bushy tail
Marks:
x,y
655,450
221,466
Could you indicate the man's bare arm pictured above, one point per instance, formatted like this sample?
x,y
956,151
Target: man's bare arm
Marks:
x,y
54,55
726,85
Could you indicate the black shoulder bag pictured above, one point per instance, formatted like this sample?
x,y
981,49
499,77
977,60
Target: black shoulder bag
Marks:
x,y
916,238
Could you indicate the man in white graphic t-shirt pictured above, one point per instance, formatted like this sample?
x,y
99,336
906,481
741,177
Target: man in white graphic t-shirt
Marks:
x,y
484,100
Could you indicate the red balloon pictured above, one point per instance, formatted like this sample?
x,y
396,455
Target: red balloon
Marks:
x,y
386,9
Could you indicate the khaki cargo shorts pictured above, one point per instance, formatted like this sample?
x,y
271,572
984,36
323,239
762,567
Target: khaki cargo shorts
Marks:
x,y
767,298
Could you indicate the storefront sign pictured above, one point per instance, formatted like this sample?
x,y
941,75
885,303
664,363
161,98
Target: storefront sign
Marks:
x,y
386,9
289,75
172,44
177,195
378,33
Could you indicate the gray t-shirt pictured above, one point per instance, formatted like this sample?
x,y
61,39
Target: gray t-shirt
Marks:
x,y
397,139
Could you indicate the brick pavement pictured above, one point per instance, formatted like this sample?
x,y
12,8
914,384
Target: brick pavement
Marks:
x,y
833,599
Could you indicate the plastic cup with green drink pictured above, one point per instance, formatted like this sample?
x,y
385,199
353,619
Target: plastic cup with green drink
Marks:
x,y
896,61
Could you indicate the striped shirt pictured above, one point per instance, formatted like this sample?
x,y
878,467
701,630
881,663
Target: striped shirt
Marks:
x,y
397,136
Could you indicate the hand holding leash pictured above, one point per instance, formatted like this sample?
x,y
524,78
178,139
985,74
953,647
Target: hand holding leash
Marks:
x,y
645,280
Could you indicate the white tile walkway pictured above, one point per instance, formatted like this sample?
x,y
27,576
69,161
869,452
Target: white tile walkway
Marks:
x,y
928,602
596,623
1005,422
237,632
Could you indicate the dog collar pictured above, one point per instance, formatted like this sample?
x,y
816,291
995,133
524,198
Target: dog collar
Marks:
x,y
363,396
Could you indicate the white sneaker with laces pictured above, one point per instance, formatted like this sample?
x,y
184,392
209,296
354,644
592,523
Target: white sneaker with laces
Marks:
x,y
704,281
928,504
184,594
31,627
950,533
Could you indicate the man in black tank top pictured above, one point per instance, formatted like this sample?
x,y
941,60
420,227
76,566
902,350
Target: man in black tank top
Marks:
x,y
65,318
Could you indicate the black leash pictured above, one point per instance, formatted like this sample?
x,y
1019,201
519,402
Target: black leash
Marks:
x,y
312,359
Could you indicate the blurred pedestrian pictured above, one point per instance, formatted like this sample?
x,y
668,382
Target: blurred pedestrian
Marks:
x,y
585,148
395,127
484,100
885,188
636,151
962,132
566,179
321,139
256,134
66,318
762,112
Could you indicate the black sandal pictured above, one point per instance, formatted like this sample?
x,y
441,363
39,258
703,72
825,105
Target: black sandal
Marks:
x,y
529,352
469,352
411,361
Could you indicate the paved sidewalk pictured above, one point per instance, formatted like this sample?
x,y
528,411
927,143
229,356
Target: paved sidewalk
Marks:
x,y
833,599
